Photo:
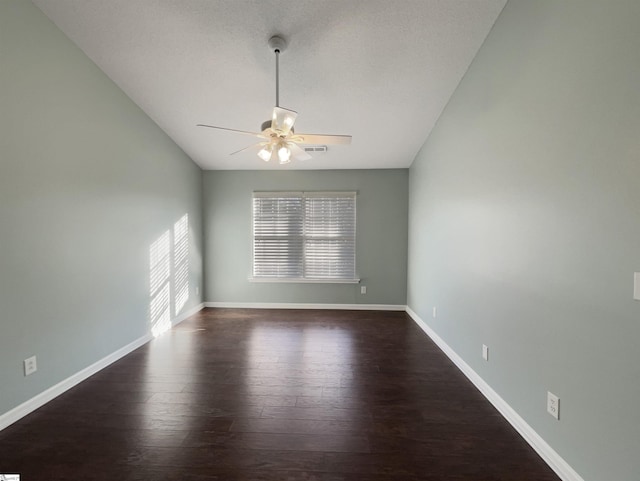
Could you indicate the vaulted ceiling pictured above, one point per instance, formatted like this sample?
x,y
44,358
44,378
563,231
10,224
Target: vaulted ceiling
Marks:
x,y
381,71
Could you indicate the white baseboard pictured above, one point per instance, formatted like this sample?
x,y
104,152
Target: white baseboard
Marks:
x,y
295,305
184,315
546,452
44,397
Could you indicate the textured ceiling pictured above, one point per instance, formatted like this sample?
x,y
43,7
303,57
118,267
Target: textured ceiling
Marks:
x,y
380,71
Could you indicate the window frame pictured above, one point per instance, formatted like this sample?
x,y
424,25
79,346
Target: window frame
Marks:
x,y
303,196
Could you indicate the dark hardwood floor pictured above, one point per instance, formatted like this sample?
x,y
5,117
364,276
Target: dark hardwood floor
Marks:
x,y
239,394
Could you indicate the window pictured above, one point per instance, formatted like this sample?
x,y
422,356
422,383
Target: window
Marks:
x,y
304,236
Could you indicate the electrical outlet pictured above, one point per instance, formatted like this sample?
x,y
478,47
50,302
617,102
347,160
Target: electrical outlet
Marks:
x,y
197,290
485,352
553,405
636,286
30,365
435,312
363,289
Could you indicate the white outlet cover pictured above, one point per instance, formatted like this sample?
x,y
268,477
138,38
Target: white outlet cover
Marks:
x,y
363,289
485,352
636,286
553,405
435,312
30,365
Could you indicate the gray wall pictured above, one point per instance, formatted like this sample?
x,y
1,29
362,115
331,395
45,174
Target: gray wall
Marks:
x,y
381,239
524,224
87,184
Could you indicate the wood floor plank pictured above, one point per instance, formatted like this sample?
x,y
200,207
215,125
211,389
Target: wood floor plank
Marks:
x,y
265,395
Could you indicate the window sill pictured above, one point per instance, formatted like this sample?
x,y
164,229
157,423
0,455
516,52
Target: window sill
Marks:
x,y
288,280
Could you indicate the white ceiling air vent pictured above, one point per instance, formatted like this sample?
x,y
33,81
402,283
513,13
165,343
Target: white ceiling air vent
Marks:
x,y
315,148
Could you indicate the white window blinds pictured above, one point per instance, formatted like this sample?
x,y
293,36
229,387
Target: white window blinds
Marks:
x,y
304,236
278,226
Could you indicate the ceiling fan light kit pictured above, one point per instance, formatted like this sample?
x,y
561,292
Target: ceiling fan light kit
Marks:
x,y
280,142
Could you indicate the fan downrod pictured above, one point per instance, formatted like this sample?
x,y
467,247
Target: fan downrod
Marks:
x,y
278,44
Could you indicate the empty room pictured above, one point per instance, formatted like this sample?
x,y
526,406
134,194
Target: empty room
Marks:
x,y
321,240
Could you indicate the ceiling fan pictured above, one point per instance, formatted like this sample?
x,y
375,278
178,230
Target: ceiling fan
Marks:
x,y
279,141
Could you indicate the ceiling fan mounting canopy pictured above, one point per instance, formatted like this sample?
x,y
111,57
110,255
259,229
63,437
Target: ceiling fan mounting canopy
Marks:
x,y
279,140
278,43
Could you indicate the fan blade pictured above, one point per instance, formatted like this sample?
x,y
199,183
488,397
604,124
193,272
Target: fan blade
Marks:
x,y
297,153
282,120
321,139
254,134
252,146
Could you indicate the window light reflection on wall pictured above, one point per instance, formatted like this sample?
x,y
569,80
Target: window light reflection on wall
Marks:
x,y
168,276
